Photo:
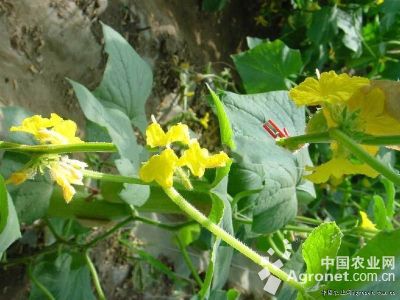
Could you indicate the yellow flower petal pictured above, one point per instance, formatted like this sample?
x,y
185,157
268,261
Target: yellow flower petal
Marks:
x,y
66,172
337,168
156,137
198,159
373,116
178,133
366,223
160,168
55,130
330,88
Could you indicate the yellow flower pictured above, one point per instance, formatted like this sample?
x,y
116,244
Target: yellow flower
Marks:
x,y
337,168
156,137
63,171
366,223
66,172
205,120
373,116
160,168
198,159
54,130
329,88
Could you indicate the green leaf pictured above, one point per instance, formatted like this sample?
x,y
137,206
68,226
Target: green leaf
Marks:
x,y
3,205
66,276
254,41
323,242
213,5
189,234
224,124
270,66
32,198
380,216
9,220
323,25
127,79
261,164
351,26
13,116
120,130
383,244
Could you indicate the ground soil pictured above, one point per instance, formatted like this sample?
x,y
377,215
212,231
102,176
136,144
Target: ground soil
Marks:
x,y
43,42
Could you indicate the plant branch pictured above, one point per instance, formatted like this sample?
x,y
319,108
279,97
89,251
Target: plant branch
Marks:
x,y
53,149
95,276
229,239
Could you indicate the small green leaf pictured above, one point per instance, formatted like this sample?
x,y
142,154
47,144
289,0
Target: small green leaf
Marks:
x,y
323,242
127,79
188,234
270,66
380,216
9,220
351,26
224,124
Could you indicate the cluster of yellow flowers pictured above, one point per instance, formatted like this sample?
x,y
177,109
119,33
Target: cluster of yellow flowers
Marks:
x,y
63,170
355,104
161,167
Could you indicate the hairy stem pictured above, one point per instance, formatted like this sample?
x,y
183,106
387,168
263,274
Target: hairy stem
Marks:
x,y
229,239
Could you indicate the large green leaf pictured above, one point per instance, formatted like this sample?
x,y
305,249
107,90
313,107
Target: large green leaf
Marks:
x,y
323,242
120,130
270,66
9,225
66,276
127,79
261,163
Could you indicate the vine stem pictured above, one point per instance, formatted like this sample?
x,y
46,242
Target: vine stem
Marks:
x,y
180,201
326,137
95,276
363,155
53,149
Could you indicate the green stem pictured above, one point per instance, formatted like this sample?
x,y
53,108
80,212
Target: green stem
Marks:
x,y
363,155
325,137
188,262
109,232
52,149
95,276
275,248
229,239
113,178
307,220
294,141
40,286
